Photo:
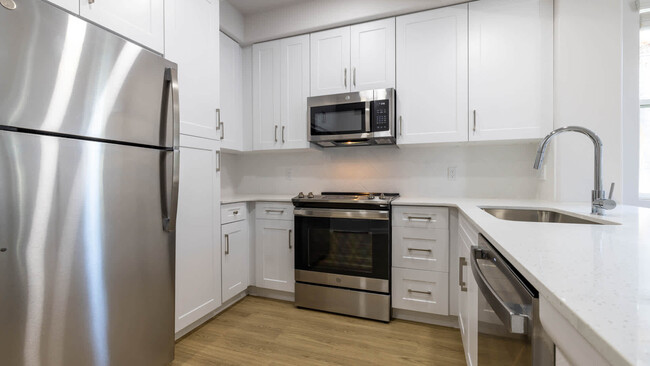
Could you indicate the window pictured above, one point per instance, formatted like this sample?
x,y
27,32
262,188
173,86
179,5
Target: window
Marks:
x,y
644,121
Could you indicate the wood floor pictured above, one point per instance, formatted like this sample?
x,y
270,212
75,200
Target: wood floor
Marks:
x,y
260,331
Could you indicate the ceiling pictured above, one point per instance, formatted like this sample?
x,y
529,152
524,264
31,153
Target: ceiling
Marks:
x,y
247,7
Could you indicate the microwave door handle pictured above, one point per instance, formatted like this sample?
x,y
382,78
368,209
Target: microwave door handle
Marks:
x,y
367,117
514,321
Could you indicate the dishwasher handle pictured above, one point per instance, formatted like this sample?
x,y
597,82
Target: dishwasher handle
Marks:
x,y
515,321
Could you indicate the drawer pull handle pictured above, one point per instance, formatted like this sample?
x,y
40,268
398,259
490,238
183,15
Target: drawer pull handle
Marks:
x,y
235,212
420,250
421,218
275,211
419,292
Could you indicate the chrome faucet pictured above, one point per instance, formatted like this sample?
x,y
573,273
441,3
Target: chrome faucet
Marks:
x,y
598,200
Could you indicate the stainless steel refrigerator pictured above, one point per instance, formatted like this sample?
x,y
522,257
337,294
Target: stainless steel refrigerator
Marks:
x,y
88,193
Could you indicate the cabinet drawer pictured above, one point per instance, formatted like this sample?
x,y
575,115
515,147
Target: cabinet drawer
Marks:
x,y
421,217
233,212
467,231
274,211
424,291
416,248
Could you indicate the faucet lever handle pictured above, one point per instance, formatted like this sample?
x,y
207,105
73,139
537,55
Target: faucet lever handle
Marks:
x,y
611,190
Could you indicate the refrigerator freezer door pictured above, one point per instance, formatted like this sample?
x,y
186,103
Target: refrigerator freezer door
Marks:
x,y
86,269
64,75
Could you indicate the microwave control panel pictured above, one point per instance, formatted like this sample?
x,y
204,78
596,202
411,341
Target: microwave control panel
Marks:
x,y
380,116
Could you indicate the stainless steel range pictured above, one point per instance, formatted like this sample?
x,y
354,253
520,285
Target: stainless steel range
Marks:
x,y
343,253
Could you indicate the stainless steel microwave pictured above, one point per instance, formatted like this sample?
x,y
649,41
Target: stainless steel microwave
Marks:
x,y
352,119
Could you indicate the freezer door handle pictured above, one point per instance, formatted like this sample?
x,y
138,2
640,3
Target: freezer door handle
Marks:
x,y
169,221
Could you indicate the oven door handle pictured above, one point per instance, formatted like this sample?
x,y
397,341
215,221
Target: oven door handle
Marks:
x,y
342,214
513,319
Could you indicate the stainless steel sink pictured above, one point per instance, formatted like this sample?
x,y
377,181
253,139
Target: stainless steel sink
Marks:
x,y
533,215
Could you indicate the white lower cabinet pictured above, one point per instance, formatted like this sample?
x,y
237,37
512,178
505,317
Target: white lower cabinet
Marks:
x,y
274,254
198,249
234,258
468,291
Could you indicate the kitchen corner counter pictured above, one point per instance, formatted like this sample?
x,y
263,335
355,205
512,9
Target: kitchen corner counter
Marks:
x,y
257,198
596,276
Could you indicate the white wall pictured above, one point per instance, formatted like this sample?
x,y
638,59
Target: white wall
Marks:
x,y
231,21
310,16
588,91
487,171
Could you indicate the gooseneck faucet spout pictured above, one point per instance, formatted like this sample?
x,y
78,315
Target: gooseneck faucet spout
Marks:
x,y
598,199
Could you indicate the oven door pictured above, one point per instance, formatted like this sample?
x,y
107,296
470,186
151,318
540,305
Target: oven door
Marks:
x,y
340,117
349,244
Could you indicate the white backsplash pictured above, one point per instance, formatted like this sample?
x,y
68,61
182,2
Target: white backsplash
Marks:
x,y
482,171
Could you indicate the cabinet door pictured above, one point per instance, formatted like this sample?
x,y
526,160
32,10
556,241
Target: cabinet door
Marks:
x,y
266,95
295,90
231,83
468,293
432,76
274,255
330,61
198,254
140,21
510,69
372,48
192,41
69,5
234,259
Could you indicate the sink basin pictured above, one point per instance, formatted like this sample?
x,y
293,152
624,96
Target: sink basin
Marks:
x,y
541,215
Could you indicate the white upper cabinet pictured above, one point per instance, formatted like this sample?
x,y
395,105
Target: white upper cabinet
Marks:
x,y
140,21
192,41
511,69
294,83
359,57
69,5
330,61
266,95
231,83
198,254
373,55
432,76
280,91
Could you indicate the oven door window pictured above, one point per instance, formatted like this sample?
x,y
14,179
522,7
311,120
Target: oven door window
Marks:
x,y
340,119
343,246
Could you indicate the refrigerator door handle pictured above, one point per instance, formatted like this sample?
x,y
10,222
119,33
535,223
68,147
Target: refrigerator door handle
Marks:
x,y
169,223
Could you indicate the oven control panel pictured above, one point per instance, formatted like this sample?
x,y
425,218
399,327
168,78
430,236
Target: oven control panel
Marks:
x,y
380,115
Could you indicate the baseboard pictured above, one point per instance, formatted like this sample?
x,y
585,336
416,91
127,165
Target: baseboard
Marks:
x,y
185,331
271,294
434,319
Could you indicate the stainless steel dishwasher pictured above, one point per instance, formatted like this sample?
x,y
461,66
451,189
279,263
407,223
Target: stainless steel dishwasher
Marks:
x,y
509,330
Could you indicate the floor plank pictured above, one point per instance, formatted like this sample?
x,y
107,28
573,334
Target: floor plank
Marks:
x,y
260,331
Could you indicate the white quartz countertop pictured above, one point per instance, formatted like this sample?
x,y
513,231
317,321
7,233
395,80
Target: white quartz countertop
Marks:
x,y
257,197
596,276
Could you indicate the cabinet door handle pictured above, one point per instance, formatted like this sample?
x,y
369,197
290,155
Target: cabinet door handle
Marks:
x,y
276,133
290,231
354,76
227,244
218,152
419,250
474,120
222,129
419,292
91,1
462,261
400,125
218,116
283,134
345,77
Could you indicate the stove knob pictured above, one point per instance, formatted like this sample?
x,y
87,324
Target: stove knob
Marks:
x,y
301,195
371,196
382,196
310,195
